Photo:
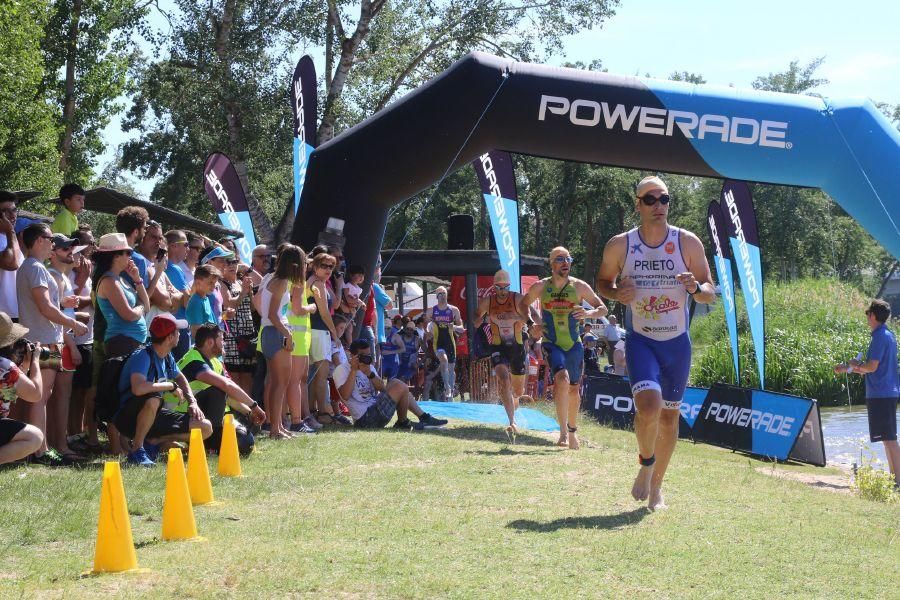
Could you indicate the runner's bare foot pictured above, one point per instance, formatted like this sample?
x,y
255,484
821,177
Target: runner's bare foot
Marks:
x,y
574,444
656,500
641,488
563,440
511,432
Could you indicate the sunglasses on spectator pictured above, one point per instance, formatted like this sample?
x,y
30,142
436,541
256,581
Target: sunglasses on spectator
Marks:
x,y
178,243
563,259
649,200
501,286
329,267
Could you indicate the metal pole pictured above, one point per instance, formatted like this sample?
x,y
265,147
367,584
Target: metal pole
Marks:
x,y
400,296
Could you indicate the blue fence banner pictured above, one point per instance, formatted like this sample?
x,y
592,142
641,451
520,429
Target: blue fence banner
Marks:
x,y
758,422
608,398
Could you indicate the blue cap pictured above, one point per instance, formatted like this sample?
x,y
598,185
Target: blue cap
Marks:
x,y
217,252
23,222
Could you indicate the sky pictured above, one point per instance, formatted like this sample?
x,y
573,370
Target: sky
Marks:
x,y
728,43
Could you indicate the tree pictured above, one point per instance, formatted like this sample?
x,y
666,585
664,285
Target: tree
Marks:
x,y
87,47
27,126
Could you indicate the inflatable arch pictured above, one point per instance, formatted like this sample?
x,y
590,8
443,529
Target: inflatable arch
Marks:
x,y
845,147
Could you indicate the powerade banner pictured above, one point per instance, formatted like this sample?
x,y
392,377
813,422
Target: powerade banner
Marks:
x,y
498,184
758,422
740,219
304,106
810,446
227,196
608,397
717,232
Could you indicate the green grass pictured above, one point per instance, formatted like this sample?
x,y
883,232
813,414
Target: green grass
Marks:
x,y
811,325
459,513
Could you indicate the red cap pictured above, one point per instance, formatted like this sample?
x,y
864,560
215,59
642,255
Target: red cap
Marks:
x,y
164,325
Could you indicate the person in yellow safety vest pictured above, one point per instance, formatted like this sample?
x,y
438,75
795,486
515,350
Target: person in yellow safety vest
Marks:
x,y
216,393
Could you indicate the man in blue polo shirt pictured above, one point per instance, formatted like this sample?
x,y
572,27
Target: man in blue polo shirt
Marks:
x,y
882,386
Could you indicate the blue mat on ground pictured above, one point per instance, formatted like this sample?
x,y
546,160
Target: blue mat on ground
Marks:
x,y
492,414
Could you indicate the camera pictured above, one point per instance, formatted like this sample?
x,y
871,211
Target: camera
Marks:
x,y
22,346
365,359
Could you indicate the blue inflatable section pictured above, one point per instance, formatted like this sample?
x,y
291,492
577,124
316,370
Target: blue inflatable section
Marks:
x,y
847,148
489,414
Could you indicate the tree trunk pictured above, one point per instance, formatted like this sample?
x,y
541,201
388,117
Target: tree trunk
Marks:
x,y
261,222
69,101
368,9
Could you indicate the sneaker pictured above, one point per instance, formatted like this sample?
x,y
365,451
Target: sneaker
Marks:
x,y
420,426
340,419
152,451
343,409
429,422
313,423
301,427
139,458
406,424
50,458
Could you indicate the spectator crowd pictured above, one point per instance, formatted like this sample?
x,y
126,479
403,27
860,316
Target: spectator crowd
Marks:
x,y
142,334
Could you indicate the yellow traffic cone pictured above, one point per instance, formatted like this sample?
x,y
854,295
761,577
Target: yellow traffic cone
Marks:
x,y
198,471
115,546
178,514
229,459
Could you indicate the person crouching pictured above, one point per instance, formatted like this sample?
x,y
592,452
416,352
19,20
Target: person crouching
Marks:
x,y
214,389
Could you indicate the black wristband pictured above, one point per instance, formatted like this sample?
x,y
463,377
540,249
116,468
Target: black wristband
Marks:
x,y
371,375
695,291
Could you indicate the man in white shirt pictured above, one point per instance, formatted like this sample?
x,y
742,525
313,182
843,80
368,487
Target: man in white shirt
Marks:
x,y
372,403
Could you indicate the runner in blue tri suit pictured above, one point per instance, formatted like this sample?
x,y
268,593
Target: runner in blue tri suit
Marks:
x,y
409,355
445,324
657,267
562,307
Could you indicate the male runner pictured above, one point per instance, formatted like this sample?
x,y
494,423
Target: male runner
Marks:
x,y
445,324
658,267
561,297
507,344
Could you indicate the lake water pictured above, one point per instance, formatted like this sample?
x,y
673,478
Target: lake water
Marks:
x,y
846,434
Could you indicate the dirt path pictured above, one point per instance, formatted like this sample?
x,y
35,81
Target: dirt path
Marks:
x,y
839,484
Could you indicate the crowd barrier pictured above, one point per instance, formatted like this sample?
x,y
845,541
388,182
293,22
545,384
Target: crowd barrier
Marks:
x,y
758,422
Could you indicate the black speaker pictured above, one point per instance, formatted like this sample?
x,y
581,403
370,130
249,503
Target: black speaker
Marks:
x,y
460,232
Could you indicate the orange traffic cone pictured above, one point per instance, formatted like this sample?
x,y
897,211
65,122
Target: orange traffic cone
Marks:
x,y
229,458
115,546
198,471
178,514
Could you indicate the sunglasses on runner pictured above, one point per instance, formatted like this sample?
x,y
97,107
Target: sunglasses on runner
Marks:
x,y
649,200
563,259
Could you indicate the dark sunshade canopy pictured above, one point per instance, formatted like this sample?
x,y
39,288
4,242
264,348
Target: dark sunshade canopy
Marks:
x,y
446,263
110,201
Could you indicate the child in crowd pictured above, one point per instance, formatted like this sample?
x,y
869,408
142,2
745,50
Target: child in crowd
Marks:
x,y
199,308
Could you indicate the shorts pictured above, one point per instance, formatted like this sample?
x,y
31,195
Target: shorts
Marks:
x,y
84,372
390,366
9,428
301,336
98,358
509,354
167,422
271,341
320,345
54,360
449,350
121,345
379,414
663,366
572,360
882,419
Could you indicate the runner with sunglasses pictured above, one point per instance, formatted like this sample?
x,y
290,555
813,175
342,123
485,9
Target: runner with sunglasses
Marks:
x,y
652,269
561,299
507,325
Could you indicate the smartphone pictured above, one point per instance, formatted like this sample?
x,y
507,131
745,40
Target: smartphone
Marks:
x,y
162,252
